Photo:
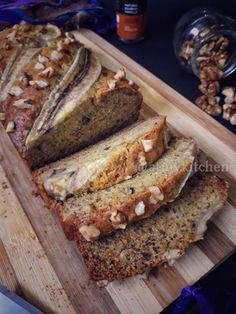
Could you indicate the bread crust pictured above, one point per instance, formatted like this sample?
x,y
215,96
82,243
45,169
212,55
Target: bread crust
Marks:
x,y
118,271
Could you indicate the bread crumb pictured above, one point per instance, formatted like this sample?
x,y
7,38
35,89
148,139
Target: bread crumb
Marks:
x,y
4,186
35,194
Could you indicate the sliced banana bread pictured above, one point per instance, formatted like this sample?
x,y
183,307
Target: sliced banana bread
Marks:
x,y
163,237
95,214
104,164
63,100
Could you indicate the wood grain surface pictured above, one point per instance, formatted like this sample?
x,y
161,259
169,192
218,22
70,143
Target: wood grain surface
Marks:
x,y
38,263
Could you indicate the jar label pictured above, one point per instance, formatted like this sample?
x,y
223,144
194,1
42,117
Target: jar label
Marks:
x,y
130,27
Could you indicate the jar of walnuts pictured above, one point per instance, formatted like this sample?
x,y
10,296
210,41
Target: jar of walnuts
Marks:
x,y
205,44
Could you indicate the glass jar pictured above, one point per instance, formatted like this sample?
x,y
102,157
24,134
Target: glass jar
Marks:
x,y
205,33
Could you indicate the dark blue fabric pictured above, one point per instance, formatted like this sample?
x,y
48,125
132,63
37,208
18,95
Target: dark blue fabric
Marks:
x,y
12,302
98,19
208,301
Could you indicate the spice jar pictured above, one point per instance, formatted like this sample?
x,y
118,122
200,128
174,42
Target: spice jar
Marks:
x,y
204,36
131,20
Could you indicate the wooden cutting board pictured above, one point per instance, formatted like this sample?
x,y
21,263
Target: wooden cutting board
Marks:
x,y
38,262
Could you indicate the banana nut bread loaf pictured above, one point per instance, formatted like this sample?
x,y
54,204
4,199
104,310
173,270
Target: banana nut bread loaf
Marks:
x,y
95,214
162,238
62,100
106,163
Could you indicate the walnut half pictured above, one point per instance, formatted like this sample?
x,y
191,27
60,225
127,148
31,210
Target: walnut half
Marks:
x,y
89,232
229,113
209,104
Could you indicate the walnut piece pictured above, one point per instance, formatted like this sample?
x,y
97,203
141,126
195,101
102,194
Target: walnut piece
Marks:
x,y
70,37
23,78
131,82
39,83
48,72
157,193
15,91
187,50
147,145
171,256
209,104
39,66
67,41
209,88
142,162
230,94
229,113
12,35
203,61
140,209
206,50
121,226
120,74
117,218
89,232
22,104
111,84
128,177
56,56
221,59
210,73
42,59
60,46
153,200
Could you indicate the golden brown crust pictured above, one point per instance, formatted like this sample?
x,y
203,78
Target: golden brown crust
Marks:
x,y
101,219
103,88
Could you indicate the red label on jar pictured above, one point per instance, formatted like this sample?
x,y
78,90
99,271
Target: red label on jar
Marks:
x,y
130,27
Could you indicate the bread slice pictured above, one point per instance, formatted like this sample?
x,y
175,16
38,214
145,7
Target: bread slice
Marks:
x,y
162,238
96,214
64,100
104,164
